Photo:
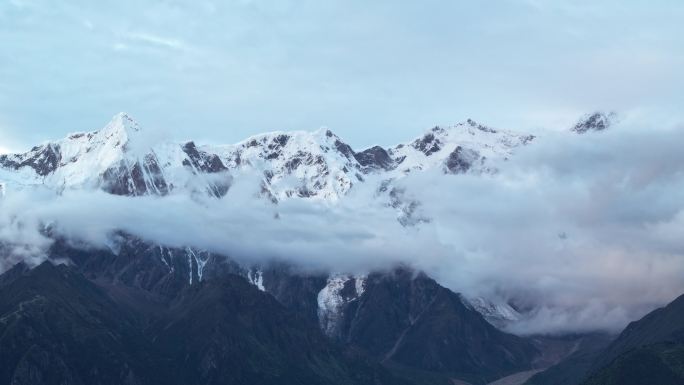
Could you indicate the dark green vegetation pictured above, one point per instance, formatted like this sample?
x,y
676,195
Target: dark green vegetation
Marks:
x,y
133,317
415,327
648,352
59,328
661,364
143,316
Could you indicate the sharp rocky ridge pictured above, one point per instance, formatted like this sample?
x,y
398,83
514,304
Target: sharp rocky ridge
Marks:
x,y
121,159
395,325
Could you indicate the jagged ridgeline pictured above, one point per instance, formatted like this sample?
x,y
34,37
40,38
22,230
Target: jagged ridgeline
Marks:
x,y
122,160
145,313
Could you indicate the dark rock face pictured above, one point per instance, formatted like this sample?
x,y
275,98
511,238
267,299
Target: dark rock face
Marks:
x,y
374,158
428,144
140,178
43,159
202,161
597,121
411,321
344,149
296,292
480,127
158,270
460,160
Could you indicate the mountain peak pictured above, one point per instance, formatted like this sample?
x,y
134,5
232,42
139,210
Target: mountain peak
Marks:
x,y
122,122
597,121
324,134
119,135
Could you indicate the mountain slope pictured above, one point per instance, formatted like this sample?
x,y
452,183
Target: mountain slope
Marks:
x,y
400,319
574,368
380,324
650,350
124,159
408,321
227,331
661,364
664,325
57,327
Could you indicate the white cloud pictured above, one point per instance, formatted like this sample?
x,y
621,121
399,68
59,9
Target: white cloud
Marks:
x,y
584,228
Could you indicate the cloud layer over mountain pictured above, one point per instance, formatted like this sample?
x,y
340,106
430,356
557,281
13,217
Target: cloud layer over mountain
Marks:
x,y
585,229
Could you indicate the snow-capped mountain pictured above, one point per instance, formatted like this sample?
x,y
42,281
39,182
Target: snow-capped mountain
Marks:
x,y
121,159
117,159
339,291
398,317
597,121
498,313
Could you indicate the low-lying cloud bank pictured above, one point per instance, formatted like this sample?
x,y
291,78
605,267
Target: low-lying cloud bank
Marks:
x,y
585,229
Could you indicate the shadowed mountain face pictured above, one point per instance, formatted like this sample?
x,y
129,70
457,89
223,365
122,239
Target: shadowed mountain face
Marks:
x,y
57,327
142,313
648,351
150,317
573,369
408,322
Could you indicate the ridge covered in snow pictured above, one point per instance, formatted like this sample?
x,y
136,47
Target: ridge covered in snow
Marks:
x,y
122,160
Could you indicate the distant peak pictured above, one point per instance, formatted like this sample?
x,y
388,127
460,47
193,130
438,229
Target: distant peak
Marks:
x,y
479,126
325,132
597,121
120,129
121,133
459,127
126,121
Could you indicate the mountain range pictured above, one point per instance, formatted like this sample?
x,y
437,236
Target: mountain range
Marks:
x,y
140,312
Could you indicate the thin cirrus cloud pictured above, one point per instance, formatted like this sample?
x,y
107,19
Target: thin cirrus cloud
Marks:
x,y
154,40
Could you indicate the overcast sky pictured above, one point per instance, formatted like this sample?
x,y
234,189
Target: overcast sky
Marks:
x,y
375,72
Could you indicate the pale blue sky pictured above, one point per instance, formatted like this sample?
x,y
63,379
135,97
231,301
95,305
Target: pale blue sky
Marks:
x,y
372,71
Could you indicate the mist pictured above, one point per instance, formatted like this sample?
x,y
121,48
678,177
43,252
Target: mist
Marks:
x,y
583,229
